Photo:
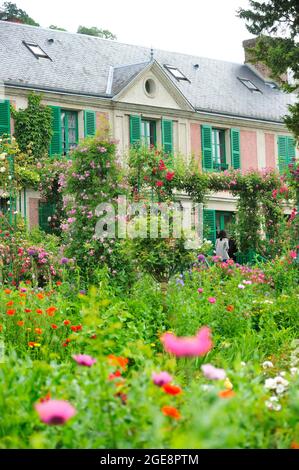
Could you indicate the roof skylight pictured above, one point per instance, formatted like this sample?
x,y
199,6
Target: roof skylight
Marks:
x,y
176,73
249,84
36,50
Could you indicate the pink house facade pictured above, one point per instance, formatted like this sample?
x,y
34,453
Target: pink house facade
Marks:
x,y
223,115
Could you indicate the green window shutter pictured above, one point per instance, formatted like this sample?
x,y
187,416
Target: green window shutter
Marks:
x,y
56,142
235,148
209,225
135,129
45,210
206,145
282,152
89,123
167,135
291,147
4,117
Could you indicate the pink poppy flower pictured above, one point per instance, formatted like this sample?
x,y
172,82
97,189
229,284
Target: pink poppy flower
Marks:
x,y
55,411
84,360
293,254
212,373
161,378
212,300
197,345
200,290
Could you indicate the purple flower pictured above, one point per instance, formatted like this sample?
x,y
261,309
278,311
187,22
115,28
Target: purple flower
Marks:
x,y
201,258
64,261
161,378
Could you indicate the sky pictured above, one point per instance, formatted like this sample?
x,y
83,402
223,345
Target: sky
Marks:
x,y
206,28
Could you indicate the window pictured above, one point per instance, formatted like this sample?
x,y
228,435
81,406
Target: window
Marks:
x,y
271,85
36,50
218,149
176,73
69,130
3,205
148,132
224,221
249,84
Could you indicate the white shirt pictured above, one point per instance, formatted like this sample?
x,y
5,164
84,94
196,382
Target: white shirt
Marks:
x,y
222,248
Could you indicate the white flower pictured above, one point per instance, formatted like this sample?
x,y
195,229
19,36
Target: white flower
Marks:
x,y
272,404
2,156
294,370
241,286
243,364
267,365
280,389
2,169
270,384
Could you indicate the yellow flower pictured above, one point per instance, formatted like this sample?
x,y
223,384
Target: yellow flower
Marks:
x,y
228,385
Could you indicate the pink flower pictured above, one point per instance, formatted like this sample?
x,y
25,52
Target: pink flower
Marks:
x,y
200,290
197,345
212,373
212,300
247,282
241,286
55,411
161,378
84,360
159,184
293,254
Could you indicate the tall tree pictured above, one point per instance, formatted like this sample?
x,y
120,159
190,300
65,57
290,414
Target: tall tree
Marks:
x,y
10,12
276,23
94,31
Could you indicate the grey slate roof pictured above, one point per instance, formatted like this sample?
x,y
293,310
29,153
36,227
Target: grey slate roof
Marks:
x,y
81,64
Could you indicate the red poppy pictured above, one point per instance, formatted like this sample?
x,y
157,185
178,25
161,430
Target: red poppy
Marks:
x,y
58,283
38,331
10,303
20,323
39,311
28,310
7,291
66,322
50,311
116,375
171,411
40,296
54,326
226,394
11,311
73,328
118,361
230,308
172,389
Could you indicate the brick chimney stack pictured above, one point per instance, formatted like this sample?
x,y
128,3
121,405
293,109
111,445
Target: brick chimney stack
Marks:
x,y
261,68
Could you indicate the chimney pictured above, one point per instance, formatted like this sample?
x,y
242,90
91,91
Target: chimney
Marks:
x,y
258,67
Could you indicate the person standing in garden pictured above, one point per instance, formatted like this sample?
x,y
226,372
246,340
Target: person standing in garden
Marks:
x,y
222,246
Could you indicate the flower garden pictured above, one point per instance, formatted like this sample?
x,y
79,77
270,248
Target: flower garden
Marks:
x,y
142,343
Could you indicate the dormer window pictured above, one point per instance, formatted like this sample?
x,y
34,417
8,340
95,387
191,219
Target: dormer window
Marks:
x,y
36,50
176,73
250,85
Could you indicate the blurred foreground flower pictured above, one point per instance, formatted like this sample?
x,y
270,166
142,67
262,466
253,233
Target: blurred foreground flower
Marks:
x,y
197,345
84,360
55,412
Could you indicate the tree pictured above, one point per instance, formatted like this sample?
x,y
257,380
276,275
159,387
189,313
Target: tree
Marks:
x,y
94,31
10,12
276,23
57,28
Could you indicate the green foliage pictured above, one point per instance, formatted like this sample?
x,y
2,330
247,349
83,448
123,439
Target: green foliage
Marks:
x,y
94,31
33,127
57,28
276,23
10,12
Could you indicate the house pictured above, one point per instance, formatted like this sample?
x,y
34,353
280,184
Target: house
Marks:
x,y
224,114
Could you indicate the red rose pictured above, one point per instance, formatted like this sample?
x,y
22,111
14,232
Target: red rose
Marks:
x,y
159,184
169,175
